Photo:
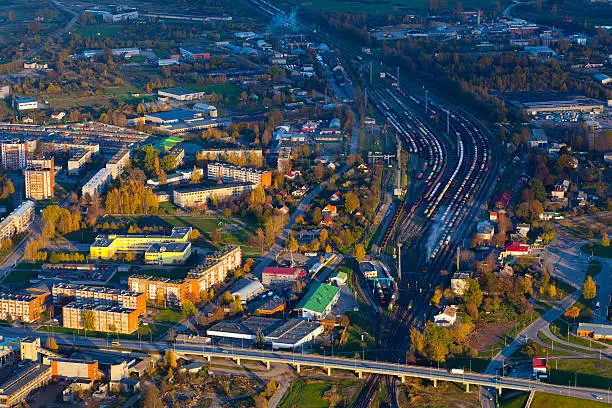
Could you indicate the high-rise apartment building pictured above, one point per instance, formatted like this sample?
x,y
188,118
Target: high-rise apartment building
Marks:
x,y
40,178
14,154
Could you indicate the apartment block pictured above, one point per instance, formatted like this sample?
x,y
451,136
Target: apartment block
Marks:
x,y
14,154
40,178
99,181
78,160
229,172
106,246
17,221
196,196
25,307
106,318
25,379
64,293
172,291
215,269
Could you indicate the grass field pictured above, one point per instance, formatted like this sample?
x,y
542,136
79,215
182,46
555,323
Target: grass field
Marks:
x,y
517,401
21,275
98,31
588,372
228,90
542,400
168,316
304,393
598,250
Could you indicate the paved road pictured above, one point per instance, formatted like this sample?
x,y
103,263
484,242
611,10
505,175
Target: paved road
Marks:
x,y
603,281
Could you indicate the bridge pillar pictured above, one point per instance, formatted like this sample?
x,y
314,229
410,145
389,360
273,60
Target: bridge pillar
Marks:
x,y
467,387
435,382
329,371
403,378
238,360
360,373
297,368
208,358
268,364
499,390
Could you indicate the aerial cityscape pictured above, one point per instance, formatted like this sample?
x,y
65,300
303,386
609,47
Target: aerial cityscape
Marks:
x,y
324,203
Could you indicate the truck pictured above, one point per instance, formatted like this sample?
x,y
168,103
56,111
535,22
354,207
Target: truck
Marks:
x,y
456,371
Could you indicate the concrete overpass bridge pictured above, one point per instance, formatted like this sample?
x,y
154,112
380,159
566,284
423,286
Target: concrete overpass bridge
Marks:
x,y
361,367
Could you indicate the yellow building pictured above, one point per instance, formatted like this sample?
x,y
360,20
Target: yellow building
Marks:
x,y
106,246
172,253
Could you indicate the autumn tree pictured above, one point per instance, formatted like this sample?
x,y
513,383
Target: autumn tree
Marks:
x,y
170,358
360,252
572,313
51,344
351,202
590,289
89,320
188,309
605,240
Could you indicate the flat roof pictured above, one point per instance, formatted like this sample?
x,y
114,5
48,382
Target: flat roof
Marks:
x,y
175,114
168,247
179,91
21,376
193,189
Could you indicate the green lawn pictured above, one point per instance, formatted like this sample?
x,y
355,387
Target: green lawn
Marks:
x,y
307,394
598,250
559,328
168,316
543,400
121,90
517,401
589,373
21,275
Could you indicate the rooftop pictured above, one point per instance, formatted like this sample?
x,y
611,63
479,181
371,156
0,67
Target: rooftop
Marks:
x,y
179,91
21,376
318,297
175,114
168,247
193,189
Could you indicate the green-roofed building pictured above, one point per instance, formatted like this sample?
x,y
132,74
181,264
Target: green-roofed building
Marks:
x,y
167,143
318,301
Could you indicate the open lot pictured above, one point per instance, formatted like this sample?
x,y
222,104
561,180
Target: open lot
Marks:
x,y
542,400
588,372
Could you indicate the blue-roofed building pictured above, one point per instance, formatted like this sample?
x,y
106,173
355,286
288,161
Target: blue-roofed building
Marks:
x,y
602,79
172,116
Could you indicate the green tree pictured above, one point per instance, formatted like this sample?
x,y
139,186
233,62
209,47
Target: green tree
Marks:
x,y
473,294
437,342
590,289
188,308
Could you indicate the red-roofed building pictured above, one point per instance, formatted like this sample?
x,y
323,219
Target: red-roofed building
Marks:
x,y
516,249
274,275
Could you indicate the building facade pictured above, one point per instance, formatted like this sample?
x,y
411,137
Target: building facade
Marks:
x,y
172,253
24,380
25,307
105,318
215,269
229,172
156,289
64,293
14,154
190,197
40,178
106,246
17,221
